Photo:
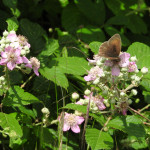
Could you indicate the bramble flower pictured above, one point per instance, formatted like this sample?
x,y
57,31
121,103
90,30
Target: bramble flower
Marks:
x,y
11,57
97,100
33,64
72,121
132,67
94,73
115,66
123,107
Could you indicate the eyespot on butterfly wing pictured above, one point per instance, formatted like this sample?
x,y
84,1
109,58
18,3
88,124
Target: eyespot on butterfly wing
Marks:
x,y
111,48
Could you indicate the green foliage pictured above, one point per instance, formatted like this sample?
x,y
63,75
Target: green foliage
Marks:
x,y
12,24
98,139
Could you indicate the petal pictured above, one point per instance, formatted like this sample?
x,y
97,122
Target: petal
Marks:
x,y
124,111
75,129
124,59
36,71
79,119
29,65
115,70
19,60
11,65
93,62
4,54
3,61
17,52
101,106
25,60
87,78
66,127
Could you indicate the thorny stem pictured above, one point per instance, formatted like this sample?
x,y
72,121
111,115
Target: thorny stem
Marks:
x,y
138,113
23,85
129,87
146,107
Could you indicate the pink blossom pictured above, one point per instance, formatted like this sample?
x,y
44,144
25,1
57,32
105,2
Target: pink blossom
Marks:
x,y
11,57
98,100
72,121
96,58
115,66
93,74
33,64
12,37
132,67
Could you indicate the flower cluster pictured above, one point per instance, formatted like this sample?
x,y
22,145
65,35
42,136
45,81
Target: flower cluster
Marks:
x,y
114,79
13,50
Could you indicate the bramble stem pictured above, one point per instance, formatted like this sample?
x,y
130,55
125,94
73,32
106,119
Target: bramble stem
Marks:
x,y
24,84
146,107
138,113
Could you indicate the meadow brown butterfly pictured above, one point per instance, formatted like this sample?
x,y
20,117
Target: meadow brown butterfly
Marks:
x,y
111,48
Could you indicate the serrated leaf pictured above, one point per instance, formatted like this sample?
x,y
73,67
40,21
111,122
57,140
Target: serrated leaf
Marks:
x,y
73,65
98,139
142,52
147,96
131,125
94,11
90,33
9,121
17,96
56,75
34,32
13,24
94,46
77,107
51,46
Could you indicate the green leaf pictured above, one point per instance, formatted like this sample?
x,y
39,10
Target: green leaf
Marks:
x,y
98,139
77,107
90,33
9,121
118,20
131,125
70,65
94,46
34,32
56,75
136,24
94,11
17,96
10,3
142,52
72,18
51,46
12,24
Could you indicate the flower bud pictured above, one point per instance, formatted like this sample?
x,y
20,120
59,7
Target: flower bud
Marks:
x,y
96,81
77,113
99,63
122,94
133,58
136,71
12,32
45,110
95,108
23,52
5,33
87,92
2,45
105,101
137,78
105,129
113,101
107,105
137,100
75,96
144,70
129,101
124,69
134,92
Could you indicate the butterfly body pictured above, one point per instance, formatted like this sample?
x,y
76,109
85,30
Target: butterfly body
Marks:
x,y
111,48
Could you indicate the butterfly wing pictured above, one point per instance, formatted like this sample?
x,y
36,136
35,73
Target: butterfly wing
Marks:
x,y
111,48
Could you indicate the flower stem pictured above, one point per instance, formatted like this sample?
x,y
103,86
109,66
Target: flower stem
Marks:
x,y
146,107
